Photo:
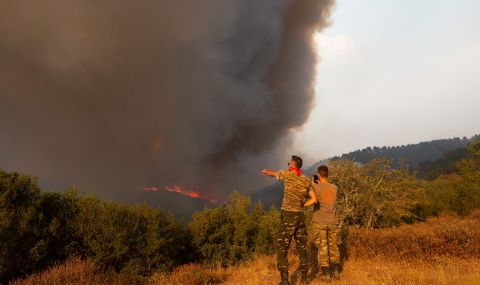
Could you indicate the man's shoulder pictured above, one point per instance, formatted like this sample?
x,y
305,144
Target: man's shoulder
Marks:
x,y
281,174
291,174
293,177
322,186
305,178
333,185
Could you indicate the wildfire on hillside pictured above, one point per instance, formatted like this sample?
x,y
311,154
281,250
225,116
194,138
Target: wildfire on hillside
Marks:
x,y
183,191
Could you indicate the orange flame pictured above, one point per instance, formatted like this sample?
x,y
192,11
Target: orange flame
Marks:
x,y
180,190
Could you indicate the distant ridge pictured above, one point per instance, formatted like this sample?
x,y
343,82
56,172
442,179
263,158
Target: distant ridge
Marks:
x,y
411,154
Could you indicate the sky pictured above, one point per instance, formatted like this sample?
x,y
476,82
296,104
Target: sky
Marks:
x,y
393,73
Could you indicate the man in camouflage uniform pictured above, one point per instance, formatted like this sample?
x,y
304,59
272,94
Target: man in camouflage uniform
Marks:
x,y
292,223
325,227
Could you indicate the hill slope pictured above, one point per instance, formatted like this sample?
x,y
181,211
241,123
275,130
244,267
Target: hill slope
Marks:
x,y
411,154
444,165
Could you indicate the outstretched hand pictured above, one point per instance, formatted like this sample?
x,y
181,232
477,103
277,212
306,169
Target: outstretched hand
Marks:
x,y
268,172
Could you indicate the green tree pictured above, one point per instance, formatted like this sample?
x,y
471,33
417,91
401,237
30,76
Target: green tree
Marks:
x,y
375,195
268,224
458,192
132,239
235,232
212,234
38,229
33,232
19,249
244,227
474,147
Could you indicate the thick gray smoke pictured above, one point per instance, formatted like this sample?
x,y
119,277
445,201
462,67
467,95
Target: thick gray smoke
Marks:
x,y
114,95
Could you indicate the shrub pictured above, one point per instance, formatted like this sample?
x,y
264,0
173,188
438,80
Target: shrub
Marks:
x,y
375,195
39,229
132,239
458,192
235,232
33,231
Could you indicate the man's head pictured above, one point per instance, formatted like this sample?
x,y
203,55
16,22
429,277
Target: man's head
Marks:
x,y
322,171
296,161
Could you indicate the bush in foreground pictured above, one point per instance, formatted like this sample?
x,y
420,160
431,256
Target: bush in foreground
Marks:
x,y
443,250
39,229
233,233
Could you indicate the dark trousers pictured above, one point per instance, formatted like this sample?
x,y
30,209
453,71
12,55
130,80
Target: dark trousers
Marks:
x,y
326,239
292,224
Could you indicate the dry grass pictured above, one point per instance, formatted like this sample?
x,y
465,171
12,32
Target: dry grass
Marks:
x,y
443,250
443,236
263,271
367,271
75,272
436,271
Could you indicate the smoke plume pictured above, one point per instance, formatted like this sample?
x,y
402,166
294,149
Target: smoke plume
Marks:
x,y
114,95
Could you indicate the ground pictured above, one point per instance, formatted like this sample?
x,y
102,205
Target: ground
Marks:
x,y
370,271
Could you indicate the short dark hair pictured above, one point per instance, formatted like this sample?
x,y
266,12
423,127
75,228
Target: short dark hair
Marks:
x,y
298,161
322,171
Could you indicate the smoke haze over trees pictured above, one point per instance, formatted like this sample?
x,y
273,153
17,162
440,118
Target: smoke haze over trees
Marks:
x,y
113,95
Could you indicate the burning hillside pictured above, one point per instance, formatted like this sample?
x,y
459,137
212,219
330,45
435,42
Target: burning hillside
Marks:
x,y
182,190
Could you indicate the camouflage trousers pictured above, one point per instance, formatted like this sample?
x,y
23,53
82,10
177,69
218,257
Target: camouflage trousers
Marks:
x,y
292,224
326,239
